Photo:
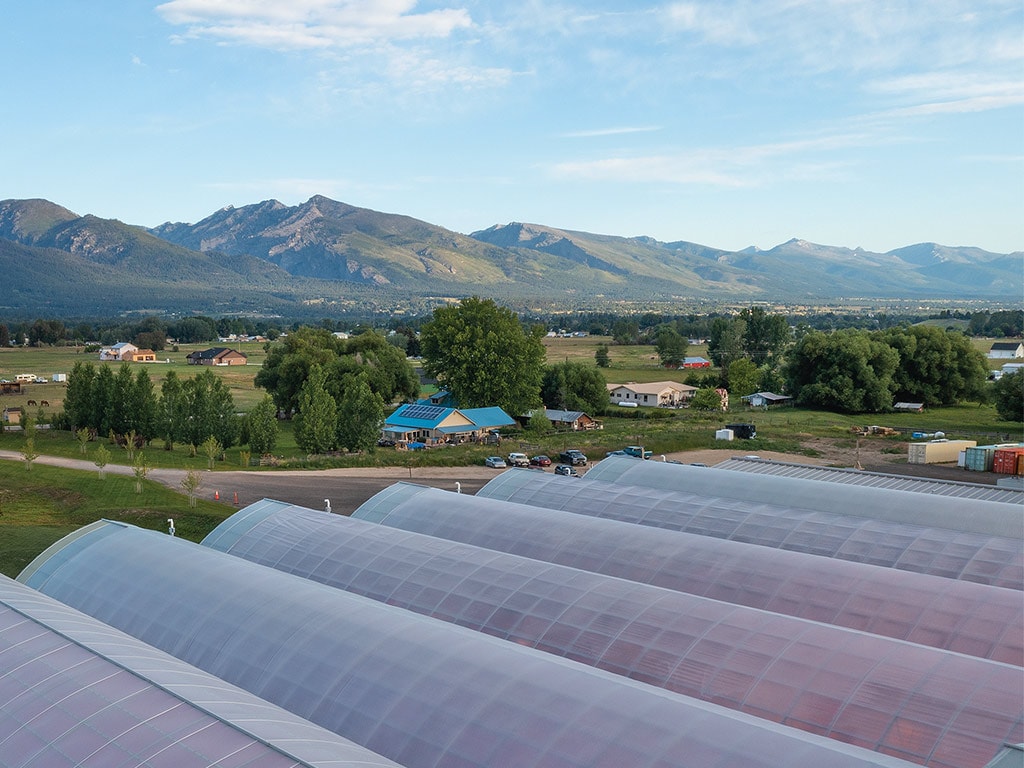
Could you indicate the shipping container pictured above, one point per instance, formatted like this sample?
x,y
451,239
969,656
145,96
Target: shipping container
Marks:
x,y
979,458
937,451
1004,460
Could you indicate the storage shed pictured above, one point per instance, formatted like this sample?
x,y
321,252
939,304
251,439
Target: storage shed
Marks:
x,y
937,451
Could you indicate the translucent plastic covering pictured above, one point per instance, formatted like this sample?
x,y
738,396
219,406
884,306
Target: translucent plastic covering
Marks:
x,y
824,679
991,518
959,616
77,692
994,560
418,690
847,476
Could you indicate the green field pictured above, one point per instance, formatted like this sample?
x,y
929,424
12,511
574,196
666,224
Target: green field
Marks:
x,y
39,506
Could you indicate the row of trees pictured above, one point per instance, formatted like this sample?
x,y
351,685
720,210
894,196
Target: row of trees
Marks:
x,y
187,411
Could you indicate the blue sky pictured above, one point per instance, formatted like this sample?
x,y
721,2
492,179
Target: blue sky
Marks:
x,y
728,123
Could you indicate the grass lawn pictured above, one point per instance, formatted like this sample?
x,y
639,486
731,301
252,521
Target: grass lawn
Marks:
x,y
39,506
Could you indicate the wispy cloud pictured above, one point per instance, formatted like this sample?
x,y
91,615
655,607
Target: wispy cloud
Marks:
x,y
732,167
298,24
597,132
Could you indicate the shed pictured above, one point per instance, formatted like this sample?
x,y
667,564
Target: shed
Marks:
x,y
912,407
765,399
12,415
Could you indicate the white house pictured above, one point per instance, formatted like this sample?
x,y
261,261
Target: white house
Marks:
x,y
669,394
120,351
1006,349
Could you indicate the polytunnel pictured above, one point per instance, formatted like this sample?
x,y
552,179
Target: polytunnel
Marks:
x,y
981,558
990,518
850,685
959,616
417,690
78,692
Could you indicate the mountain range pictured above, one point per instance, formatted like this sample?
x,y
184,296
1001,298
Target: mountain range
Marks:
x,y
325,256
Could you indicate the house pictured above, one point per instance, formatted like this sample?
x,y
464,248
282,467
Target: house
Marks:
x,y
1007,349
667,394
120,351
12,416
696,362
765,399
574,420
216,356
140,356
435,424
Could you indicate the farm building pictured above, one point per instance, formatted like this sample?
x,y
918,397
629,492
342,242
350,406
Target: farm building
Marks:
x,y
574,420
435,424
766,399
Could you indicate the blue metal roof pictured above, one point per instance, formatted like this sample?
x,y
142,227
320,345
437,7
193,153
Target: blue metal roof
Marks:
x,y
488,417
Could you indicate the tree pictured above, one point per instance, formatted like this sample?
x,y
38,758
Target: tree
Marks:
x,y
847,370
170,415
725,343
539,423
706,399
316,422
574,386
936,367
101,400
143,406
1008,393
207,409
671,346
212,448
101,458
262,426
360,415
287,366
764,335
190,484
140,470
28,451
601,356
484,356
743,377
78,396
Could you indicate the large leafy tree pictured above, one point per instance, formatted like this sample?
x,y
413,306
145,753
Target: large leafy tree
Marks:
x,y
289,362
101,402
765,335
1008,394
937,367
484,356
360,415
744,377
671,346
317,420
574,386
848,370
171,411
725,343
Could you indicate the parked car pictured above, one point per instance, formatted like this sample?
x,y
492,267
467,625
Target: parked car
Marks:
x,y
637,451
518,460
573,456
386,443
566,469
496,462
540,461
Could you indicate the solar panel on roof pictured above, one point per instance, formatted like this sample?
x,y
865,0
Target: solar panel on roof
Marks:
x,y
428,412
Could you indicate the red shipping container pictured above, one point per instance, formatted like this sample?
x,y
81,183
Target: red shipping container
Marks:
x,y
1004,461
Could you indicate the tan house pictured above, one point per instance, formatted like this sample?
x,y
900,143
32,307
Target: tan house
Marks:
x,y
12,415
216,356
141,356
666,394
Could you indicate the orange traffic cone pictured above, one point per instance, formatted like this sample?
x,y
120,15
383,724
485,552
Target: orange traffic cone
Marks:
x,y
216,495
236,498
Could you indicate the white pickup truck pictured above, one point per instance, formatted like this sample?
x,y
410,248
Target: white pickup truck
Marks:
x,y
518,460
